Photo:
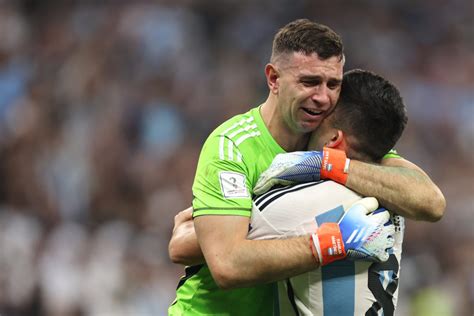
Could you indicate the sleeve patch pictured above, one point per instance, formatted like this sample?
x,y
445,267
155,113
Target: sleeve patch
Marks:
x,y
233,185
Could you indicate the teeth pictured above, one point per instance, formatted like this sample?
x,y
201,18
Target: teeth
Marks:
x,y
312,112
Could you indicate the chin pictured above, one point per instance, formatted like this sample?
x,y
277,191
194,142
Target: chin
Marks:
x,y
308,127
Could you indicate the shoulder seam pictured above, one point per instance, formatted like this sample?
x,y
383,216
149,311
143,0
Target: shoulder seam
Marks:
x,y
222,208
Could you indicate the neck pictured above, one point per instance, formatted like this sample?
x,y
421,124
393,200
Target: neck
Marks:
x,y
288,139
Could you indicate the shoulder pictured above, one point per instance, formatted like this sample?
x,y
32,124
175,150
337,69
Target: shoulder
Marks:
x,y
319,195
234,123
235,139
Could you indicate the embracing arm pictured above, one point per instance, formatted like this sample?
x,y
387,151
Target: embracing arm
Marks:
x,y
184,249
400,186
235,261
397,183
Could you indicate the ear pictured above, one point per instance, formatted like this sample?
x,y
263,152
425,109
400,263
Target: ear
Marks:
x,y
272,78
336,140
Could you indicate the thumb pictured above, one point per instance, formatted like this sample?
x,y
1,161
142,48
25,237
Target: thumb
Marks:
x,y
262,186
259,188
383,256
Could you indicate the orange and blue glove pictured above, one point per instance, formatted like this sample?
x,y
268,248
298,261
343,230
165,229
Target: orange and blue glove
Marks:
x,y
363,233
304,166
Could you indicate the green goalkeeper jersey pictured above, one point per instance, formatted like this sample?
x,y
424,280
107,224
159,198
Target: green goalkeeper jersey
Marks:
x,y
231,160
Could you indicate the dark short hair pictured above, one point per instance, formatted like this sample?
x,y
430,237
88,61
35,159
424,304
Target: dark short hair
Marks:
x,y
307,37
371,110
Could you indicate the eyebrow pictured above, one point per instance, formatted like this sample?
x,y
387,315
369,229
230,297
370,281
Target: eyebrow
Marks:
x,y
315,77
337,81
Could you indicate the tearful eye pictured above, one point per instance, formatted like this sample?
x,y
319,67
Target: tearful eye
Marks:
x,y
334,85
310,83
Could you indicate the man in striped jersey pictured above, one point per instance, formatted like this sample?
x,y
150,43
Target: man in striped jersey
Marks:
x,y
367,103
304,78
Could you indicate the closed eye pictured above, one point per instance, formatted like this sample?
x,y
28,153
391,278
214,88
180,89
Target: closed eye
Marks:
x,y
310,82
334,84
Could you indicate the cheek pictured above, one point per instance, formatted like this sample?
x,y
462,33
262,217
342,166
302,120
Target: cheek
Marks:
x,y
334,95
306,93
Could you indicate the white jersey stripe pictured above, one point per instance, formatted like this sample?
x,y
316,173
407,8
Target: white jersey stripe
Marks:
x,y
221,147
246,136
230,145
230,150
243,129
239,123
386,279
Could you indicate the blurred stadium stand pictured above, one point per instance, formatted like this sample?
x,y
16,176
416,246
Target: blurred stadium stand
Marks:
x,y
104,108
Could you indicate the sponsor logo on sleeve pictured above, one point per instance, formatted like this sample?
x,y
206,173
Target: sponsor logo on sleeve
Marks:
x,y
233,185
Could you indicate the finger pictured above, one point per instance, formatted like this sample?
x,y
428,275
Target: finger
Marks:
x,y
188,213
382,217
390,242
184,216
370,204
390,229
383,256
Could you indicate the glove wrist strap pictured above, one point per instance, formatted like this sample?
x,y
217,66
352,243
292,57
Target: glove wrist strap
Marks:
x,y
335,165
327,244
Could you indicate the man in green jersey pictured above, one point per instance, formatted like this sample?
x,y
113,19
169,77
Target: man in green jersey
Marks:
x,y
304,78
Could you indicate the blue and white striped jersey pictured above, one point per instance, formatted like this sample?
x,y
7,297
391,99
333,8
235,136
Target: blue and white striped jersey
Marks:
x,y
343,287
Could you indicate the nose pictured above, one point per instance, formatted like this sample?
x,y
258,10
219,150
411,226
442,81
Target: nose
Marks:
x,y
321,96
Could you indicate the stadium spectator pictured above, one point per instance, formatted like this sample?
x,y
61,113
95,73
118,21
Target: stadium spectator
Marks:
x,y
76,83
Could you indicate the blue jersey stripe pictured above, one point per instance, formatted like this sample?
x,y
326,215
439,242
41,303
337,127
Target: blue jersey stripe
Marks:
x,y
338,278
332,216
338,288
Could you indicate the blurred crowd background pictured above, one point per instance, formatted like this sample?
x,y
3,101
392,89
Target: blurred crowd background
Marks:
x,y
104,106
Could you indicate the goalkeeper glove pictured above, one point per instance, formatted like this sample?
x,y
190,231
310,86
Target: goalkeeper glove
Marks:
x,y
304,166
361,234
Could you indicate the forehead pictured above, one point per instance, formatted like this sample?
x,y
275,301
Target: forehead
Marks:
x,y
302,65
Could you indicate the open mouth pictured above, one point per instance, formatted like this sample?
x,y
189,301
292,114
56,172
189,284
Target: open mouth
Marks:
x,y
312,112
